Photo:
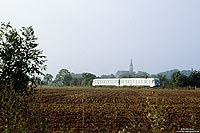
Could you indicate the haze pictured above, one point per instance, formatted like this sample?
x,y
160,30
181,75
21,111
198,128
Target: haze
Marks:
x,y
101,36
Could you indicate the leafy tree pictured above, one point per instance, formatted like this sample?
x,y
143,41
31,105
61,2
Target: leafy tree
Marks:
x,y
75,75
155,76
64,77
163,80
75,82
179,79
48,78
20,59
87,79
108,76
141,74
194,78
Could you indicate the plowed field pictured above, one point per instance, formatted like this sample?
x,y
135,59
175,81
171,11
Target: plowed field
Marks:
x,y
118,109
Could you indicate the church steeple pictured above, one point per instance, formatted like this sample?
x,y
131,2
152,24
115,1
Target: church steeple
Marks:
x,y
131,67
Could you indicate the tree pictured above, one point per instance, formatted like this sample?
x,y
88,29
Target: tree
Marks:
x,y
48,78
20,60
179,79
194,78
141,74
64,77
108,76
87,79
163,80
75,82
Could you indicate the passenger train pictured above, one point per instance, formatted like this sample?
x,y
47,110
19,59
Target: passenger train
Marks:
x,y
151,82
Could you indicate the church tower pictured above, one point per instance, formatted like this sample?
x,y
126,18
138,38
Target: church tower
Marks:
x,y
131,67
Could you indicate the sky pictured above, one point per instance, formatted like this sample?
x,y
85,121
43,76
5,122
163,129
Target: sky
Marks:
x,y
102,36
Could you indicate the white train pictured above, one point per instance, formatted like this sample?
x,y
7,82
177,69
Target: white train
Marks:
x,y
151,82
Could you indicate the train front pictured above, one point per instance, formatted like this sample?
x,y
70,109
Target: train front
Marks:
x,y
157,81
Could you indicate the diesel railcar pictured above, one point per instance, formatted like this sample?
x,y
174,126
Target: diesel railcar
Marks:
x,y
151,82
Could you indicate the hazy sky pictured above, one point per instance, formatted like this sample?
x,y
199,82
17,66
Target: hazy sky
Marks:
x,y
101,36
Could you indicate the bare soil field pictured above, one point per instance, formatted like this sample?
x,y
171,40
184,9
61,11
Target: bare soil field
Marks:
x,y
118,109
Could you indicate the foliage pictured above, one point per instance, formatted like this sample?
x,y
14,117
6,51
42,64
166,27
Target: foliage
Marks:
x,y
156,115
75,82
47,79
108,76
21,112
179,79
76,75
64,77
194,78
163,80
170,72
19,57
141,74
87,79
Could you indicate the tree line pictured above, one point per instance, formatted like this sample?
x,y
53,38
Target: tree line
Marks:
x,y
180,80
66,78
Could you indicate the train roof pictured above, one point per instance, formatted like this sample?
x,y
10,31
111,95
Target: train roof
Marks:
x,y
106,79
124,78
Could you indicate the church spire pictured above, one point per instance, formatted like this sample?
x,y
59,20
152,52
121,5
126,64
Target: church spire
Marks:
x,y
131,67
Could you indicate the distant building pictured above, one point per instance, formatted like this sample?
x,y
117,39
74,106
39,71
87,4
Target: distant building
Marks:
x,y
129,73
131,67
